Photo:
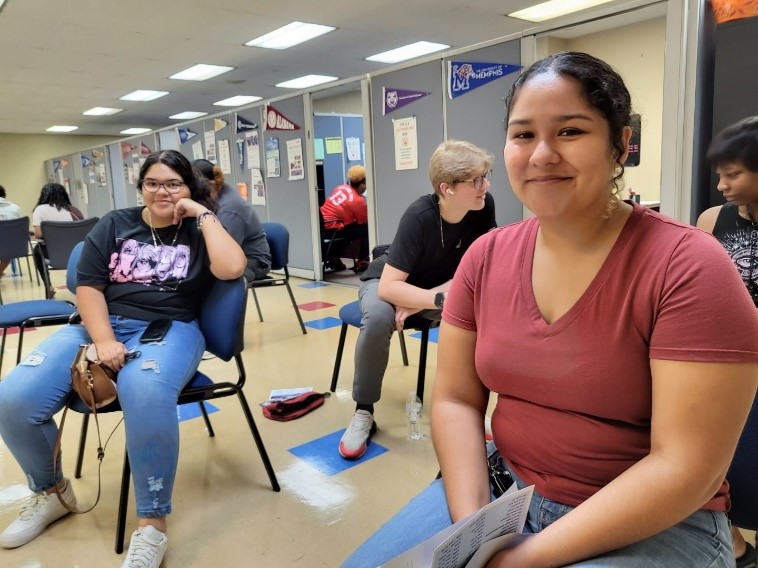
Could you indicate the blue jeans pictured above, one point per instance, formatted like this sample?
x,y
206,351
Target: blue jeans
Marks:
x,y
148,388
702,540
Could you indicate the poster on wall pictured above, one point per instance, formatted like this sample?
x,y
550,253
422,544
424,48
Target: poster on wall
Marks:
x,y
406,143
353,146
465,76
241,151
295,159
210,146
258,196
252,149
224,157
101,170
272,158
197,150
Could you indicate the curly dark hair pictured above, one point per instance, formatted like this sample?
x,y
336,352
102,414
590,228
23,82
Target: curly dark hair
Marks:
x,y
54,194
200,190
600,86
736,144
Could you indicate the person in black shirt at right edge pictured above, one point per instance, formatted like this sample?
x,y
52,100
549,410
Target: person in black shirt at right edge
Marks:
x,y
734,154
413,276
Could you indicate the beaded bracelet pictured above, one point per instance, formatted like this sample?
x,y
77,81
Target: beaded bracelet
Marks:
x,y
202,216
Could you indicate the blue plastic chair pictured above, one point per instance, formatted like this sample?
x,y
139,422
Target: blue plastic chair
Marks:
x,y
279,243
222,319
350,314
39,313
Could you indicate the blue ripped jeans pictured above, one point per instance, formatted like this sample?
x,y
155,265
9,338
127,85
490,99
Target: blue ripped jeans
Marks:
x,y
702,540
148,388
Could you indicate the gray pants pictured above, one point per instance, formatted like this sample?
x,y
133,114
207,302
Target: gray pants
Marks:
x,y
372,350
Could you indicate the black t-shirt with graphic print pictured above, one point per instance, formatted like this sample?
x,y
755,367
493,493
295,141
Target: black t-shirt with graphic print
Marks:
x,y
418,245
143,278
740,239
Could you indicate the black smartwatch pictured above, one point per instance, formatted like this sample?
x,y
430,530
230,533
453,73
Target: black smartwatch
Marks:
x,y
439,300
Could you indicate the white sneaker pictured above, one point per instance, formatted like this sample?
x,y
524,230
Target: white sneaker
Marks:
x,y
146,549
355,439
41,510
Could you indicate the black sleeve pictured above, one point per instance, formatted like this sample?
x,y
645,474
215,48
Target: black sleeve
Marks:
x,y
490,206
407,245
99,246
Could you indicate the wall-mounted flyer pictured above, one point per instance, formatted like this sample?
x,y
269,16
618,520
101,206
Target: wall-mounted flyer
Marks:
x,y
406,143
272,158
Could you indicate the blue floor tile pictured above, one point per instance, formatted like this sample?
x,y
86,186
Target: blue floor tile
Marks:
x,y
324,323
313,285
322,453
433,334
192,410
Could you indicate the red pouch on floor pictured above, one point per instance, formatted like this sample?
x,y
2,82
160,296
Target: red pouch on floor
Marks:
x,y
294,407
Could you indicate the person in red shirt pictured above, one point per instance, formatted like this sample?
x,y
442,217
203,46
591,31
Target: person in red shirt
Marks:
x,y
345,213
621,346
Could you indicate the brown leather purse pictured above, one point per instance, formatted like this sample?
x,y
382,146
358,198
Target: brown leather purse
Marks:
x,y
94,383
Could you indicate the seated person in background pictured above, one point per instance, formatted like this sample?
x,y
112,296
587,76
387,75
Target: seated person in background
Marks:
x,y
177,216
53,205
239,218
734,154
345,213
8,211
413,276
621,344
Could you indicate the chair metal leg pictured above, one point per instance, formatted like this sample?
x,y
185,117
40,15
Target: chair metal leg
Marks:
x,y
21,329
2,349
82,444
257,305
258,440
123,503
207,419
422,364
29,268
403,350
294,306
338,358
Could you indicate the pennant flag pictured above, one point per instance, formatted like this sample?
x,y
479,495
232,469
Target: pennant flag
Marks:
x,y
86,162
64,163
218,124
56,165
185,134
97,155
145,149
126,149
277,121
398,98
465,76
243,124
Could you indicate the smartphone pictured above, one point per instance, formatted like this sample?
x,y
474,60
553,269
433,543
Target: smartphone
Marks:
x,y
156,330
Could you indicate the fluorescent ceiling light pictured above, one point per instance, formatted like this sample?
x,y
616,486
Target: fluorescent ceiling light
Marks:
x,y
306,81
144,95
407,52
201,72
554,9
136,130
239,100
101,111
62,128
289,35
187,115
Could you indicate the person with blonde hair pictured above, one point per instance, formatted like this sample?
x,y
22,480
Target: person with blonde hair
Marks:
x,y
414,274
346,214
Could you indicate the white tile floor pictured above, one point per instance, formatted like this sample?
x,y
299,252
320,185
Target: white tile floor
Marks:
x,y
225,513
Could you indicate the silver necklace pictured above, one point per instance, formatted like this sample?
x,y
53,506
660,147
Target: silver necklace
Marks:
x,y
156,236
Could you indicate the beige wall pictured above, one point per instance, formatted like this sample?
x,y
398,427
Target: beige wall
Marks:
x,y
636,52
22,162
346,103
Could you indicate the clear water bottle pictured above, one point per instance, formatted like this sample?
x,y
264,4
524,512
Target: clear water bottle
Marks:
x,y
413,414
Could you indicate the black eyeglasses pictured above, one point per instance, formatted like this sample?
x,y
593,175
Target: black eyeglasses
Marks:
x,y
172,186
478,181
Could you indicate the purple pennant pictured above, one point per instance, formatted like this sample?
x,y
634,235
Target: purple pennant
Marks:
x,y
398,98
